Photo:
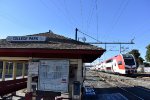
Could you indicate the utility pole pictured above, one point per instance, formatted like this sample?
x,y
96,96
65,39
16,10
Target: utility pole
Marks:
x,y
76,30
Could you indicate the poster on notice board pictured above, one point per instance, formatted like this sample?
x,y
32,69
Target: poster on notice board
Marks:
x,y
33,68
53,75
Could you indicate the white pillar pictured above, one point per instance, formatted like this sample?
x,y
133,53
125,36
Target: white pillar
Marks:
x,y
14,70
84,71
4,71
79,70
23,70
29,80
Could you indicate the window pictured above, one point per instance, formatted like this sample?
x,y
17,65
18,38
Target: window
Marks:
x,y
119,62
129,61
108,61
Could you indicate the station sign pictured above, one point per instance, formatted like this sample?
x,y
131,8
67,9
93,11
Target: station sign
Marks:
x,y
26,38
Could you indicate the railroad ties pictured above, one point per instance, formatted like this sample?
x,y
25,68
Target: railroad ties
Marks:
x,y
115,87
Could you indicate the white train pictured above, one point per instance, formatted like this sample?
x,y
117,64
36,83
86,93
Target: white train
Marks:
x,y
120,64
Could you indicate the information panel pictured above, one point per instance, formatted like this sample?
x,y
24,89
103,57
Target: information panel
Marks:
x,y
33,68
53,75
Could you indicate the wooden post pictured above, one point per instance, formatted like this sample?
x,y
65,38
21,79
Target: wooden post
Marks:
x,y
23,70
14,70
4,71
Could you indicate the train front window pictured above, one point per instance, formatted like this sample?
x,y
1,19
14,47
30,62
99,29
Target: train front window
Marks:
x,y
129,61
119,62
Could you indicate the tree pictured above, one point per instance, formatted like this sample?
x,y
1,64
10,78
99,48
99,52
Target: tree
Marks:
x,y
139,60
147,57
135,53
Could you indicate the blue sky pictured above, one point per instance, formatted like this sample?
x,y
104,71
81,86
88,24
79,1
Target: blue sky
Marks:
x,y
109,21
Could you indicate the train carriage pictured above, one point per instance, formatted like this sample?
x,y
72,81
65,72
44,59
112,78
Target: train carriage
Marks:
x,y
120,64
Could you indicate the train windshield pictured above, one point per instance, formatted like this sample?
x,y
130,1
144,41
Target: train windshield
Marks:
x,y
129,60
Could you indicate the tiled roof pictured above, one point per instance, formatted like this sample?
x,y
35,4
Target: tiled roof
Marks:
x,y
54,42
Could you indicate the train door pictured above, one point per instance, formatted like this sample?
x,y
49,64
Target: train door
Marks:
x,y
108,65
115,66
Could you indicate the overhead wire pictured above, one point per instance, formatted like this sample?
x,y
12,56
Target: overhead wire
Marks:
x,y
88,36
81,8
90,15
60,10
122,9
71,22
14,20
69,14
97,18
139,29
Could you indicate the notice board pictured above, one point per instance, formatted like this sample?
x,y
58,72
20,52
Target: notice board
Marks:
x,y
53,75
33,68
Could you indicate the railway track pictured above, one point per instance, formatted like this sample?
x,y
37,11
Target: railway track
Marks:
x,y
123,87
113,84
139,81
139,93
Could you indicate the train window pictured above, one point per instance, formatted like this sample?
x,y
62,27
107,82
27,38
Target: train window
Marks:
x,y
119,62
114,64
129,61
108,61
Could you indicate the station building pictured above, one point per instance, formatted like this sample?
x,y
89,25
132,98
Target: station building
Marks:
x,y
51,62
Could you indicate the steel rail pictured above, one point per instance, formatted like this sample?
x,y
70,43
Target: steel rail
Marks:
x,y
113,84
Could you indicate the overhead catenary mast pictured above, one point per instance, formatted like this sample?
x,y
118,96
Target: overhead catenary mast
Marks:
x,y
98,42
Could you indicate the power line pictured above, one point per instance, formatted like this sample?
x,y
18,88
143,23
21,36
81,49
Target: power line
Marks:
x,y
123,6
81,13
97,18
60,10
68,13
58,7
115,15
14,20
140,28
88,35
90,16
